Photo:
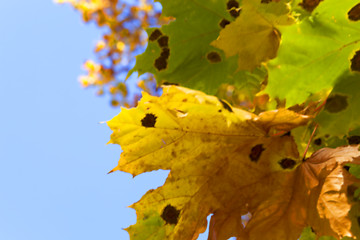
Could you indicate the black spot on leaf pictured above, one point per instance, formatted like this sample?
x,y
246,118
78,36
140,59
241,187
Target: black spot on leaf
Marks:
x,y
256,152
346,168
318,141
309,5
149,120
355,62
354,13
336,103
165,53
170,214
163,41
232,4
160,63
353,140
170,84
213,57
155,35
223,23
287,163
266,1
358,220
235,12
225,105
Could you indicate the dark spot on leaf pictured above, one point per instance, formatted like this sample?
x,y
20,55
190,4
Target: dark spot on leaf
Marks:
x,y
160,63
327,136
355,62
358,220
256,152
173,154
235,12
312,229
287,163
170,214
165,53
163,41
232,4
346,167
220,110
286,134
170,84
213,57
266,1
223,23
155,35
225,105
309,5
354,13
149,120
318,141
336,103
353,140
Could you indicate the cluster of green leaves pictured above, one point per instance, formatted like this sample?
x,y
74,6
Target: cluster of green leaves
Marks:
x,y
305,57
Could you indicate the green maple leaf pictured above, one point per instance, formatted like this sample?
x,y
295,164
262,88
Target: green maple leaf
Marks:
x,y
182,53
314,53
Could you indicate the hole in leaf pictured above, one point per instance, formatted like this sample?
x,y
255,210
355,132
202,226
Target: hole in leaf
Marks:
x,y
346,167
225,105
165,53
309,5
223,23
318,141
213,57
149,120
170,214
355,62
160,63
155,35
163,41
256,152
232,4
336,103
353,140
354,13
235,12
287,163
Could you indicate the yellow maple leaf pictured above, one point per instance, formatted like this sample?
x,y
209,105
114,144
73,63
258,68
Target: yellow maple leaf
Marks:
x,y
223,161
253,35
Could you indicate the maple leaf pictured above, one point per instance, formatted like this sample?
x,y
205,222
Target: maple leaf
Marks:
x,y
315,53
253,35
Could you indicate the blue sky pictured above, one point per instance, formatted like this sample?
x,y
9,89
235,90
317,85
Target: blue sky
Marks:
x,y
54,157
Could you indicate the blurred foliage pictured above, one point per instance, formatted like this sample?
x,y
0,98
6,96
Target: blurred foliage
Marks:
x,y
124,37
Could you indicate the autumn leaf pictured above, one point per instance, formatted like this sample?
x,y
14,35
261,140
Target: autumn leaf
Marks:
x,y
198,137
253,35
